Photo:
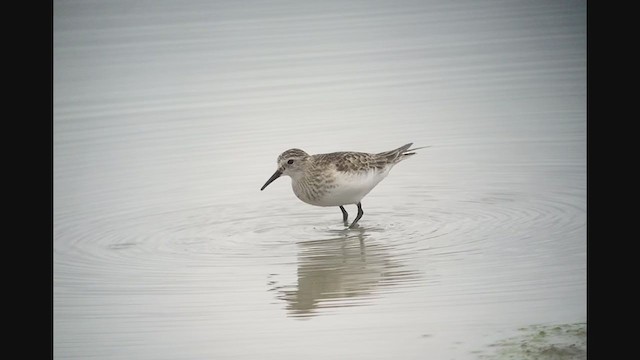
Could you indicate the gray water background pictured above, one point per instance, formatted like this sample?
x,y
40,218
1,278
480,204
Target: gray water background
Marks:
x,y
169,117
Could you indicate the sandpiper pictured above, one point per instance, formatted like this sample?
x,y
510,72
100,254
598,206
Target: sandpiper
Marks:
x,y
339,178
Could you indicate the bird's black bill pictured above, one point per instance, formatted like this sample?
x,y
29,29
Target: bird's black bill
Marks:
x,y
273,177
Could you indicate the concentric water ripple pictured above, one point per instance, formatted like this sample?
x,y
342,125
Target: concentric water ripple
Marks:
x,y
202,233
334,266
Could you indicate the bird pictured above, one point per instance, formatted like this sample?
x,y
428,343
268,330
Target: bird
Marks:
x,y
338,178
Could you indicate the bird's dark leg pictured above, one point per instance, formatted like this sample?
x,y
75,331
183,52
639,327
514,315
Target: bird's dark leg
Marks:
x,y
344,214
360,213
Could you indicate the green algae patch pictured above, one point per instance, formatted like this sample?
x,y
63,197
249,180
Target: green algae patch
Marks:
x,y
543,342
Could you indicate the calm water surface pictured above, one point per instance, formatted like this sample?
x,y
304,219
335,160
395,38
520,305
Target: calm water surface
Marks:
x,y
169,117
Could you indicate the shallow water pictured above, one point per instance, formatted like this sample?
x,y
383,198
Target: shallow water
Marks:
x,y
169,117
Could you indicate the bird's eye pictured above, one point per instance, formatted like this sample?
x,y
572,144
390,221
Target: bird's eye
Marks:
x,y
290,162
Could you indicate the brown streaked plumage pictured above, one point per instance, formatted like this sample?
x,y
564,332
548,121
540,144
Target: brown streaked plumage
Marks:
x,y
338,178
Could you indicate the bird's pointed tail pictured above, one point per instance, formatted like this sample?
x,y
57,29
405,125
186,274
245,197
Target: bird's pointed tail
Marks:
x,y
399,153
418,148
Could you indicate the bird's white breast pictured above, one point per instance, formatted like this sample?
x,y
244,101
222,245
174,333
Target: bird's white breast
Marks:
x,y
350,187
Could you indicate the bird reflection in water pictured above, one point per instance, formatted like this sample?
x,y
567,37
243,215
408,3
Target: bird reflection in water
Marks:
x,y
342,271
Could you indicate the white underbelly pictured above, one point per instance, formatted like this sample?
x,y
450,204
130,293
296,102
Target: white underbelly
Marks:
x,y
350,188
